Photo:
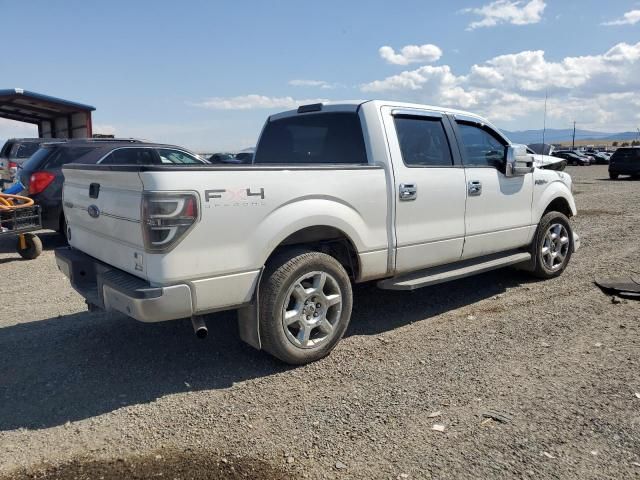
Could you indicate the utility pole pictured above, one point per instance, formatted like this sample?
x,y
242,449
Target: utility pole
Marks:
x,y
573,143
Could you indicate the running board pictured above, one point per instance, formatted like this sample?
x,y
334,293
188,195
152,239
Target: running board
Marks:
x,y
432,276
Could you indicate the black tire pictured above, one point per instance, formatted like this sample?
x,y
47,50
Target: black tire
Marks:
x,y
613,176
33,247
278,286
541,267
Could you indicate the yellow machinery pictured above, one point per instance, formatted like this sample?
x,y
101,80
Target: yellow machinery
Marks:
x,y
19,216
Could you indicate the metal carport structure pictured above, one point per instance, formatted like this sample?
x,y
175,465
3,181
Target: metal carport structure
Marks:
x,y
55,117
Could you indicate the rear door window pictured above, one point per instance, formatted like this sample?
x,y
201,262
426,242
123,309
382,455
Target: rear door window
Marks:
x,y
131,156
423,142
320,138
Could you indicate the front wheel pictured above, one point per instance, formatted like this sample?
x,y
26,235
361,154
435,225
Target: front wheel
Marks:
x,y
305,306
552,245
613,176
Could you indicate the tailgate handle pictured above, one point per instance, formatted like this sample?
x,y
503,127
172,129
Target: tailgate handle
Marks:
x,y
94,190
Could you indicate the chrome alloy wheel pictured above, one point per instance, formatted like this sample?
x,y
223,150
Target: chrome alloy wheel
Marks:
x,y
555,247
312,309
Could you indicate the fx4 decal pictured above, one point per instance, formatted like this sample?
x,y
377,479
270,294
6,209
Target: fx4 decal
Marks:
x,y
226,197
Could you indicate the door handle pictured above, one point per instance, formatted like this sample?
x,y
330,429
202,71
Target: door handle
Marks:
x,y
474,188
408,191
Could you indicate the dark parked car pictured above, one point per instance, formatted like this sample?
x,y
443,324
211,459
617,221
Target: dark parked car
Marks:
x,y
599,158
572,158
42,173
15,152
239,158
226,158
625,161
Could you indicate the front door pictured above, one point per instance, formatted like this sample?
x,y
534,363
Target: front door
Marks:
x,y
498,209
430,189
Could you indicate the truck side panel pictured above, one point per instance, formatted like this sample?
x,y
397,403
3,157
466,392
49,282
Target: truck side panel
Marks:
x,y
265,206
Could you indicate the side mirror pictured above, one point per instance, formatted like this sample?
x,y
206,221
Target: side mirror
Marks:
x,y
519,162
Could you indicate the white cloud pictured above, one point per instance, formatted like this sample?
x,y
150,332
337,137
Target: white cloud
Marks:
x,y
597,89
313,83
253,101
411,54
630,18
507,11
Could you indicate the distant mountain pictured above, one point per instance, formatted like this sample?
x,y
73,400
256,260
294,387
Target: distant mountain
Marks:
x,y
554,135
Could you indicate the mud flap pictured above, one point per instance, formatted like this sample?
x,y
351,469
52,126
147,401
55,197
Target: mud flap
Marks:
x,y
249,319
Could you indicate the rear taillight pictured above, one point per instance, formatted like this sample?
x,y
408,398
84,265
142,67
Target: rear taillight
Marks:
x,y
166,218
39,181
13,165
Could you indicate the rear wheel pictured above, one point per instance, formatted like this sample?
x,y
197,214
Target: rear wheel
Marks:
x,y
30,247
613,176
305,306
552,245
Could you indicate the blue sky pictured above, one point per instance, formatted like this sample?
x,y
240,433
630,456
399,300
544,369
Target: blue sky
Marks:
x,y
205,74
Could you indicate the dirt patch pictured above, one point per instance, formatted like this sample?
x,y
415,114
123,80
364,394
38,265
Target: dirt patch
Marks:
x,y
493,309
171,465
597,211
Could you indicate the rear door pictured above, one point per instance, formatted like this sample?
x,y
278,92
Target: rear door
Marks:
x,y
498,208
429,188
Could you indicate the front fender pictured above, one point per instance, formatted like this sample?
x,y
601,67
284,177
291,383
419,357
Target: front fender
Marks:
x,y
553,191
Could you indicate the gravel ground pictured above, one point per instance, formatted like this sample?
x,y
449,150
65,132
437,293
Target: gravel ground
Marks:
x,y
528,379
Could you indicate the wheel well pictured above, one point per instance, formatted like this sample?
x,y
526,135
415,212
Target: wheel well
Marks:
x,y
329,240
559,205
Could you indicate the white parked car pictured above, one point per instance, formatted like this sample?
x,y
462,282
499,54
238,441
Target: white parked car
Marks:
x,y
406,195
548,162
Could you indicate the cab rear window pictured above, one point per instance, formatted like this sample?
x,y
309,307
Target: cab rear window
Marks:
x,y
320,138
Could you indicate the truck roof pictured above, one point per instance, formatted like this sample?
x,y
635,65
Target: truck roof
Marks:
x,y
354,105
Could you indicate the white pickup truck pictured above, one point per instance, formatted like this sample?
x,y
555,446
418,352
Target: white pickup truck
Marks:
x,y
407,195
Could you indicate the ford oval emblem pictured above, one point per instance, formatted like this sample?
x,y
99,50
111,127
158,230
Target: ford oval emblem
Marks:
x,y
94,212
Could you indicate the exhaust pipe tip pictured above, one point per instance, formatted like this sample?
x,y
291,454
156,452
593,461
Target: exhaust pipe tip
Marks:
x,y
199,327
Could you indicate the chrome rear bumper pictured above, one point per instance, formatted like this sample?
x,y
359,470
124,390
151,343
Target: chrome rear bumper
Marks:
x,y
115,290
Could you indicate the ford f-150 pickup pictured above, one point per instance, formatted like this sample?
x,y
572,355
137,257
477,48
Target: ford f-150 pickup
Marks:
x,y
403,194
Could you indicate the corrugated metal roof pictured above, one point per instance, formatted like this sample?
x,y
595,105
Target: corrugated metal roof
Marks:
x,y
31,107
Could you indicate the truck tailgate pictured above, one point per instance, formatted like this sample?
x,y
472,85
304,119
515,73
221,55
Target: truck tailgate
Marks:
x,y
103,211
